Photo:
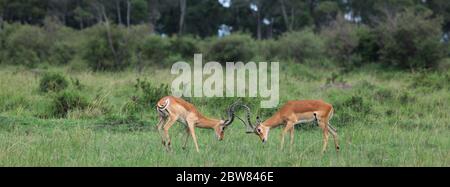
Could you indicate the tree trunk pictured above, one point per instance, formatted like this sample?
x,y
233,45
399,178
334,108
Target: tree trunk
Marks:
x,y
292,18
81,24
119,15
258,24
154,13
108,33
128,12
182,15
285,16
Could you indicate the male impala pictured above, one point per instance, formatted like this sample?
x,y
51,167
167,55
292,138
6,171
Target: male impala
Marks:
x,y
292,113
171,109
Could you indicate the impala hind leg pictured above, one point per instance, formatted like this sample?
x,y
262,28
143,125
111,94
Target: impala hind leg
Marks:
x,y
323,125
335,137
186,138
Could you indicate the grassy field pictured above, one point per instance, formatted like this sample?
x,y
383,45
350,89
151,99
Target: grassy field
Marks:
x,y
384,118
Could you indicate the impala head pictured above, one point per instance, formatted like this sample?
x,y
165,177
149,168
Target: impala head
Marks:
x,y
224,123
258,128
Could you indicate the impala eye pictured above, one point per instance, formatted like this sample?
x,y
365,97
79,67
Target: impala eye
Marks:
x,y
259,130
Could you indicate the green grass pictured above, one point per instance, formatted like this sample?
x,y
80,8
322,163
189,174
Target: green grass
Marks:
x,y
385,118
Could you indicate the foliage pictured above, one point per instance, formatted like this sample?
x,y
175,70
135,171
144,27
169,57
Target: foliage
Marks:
x,y
54,82
66,101
411,40
342,41
107,48
233,48
25,45
185,46
300,46
154,49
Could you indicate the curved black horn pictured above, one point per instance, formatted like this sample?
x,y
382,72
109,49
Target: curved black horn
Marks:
x,y
248,124
230,114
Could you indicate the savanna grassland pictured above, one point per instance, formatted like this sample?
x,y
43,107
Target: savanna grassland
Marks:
x,y
79,87
384,118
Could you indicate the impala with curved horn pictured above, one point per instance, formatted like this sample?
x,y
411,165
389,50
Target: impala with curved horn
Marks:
x,y
292,113
171,109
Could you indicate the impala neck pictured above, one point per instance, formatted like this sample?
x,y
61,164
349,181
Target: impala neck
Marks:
x,y
205,122
273,121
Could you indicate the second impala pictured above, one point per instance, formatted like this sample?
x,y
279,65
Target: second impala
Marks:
x,y
292,113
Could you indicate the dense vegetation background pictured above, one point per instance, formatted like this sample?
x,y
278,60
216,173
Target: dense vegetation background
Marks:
x,y
79,79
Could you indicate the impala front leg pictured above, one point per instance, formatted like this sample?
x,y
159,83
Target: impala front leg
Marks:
x,y
191,130
166,140
289,125
291,138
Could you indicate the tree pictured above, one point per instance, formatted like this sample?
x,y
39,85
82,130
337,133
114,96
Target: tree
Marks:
x,y
411,39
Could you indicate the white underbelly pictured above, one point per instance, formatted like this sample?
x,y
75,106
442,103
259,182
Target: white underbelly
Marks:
x,y
305,120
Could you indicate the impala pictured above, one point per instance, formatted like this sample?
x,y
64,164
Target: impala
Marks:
x,y
171,109
292,113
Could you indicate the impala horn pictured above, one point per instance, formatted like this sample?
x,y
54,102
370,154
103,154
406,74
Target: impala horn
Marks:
x,y
249,125
230,114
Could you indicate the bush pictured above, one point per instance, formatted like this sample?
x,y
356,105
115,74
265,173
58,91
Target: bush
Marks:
x,y
342,41
300,45
185,46
411,40
105,51
147,95
232,48
54,82
154,49
268,49
150,94
368,45
66,101
26,45
61,53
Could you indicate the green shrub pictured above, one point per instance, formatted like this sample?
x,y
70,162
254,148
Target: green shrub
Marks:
x,y
368,45
300,45
351,109
107,50
232,48
66,101
62,53
411,40
146,96
383,95
26,45
342,41
149,93
185,46
427,81
268,49
154,49
54,82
